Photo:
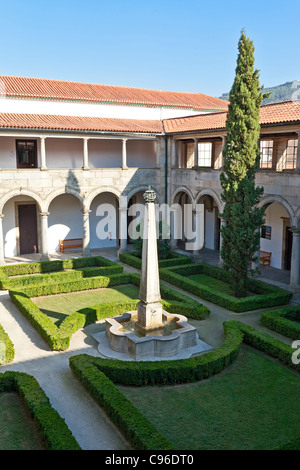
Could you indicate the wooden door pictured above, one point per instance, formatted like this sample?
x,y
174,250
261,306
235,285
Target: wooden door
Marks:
x,y
28,229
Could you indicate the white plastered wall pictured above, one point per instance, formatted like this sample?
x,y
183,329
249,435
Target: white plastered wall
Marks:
x,y
65,220
273,218
104,221
10,229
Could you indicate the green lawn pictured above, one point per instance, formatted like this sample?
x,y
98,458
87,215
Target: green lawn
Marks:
x,y
57,307
18,431
213,283
253,405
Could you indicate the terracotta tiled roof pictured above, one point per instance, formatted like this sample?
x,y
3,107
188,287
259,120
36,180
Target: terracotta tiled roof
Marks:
x,y
66,90
201,122
276,113
77,123
287,111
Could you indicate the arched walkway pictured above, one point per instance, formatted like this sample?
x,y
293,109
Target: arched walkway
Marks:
x,y
104,220
21,224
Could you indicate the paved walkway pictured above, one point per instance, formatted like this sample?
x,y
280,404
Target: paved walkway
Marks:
x,y
88,423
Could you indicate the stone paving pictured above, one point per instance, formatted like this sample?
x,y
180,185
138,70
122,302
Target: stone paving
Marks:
x,y
88,423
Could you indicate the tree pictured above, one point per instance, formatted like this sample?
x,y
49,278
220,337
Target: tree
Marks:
x,y
241,234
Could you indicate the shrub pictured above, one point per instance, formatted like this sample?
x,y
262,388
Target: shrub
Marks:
x,y
265,295
56,271
51,426
130,421
167,372
58,338
283,320
7,351
174,259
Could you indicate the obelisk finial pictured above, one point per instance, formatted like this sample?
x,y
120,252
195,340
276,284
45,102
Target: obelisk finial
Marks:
x,y
149,194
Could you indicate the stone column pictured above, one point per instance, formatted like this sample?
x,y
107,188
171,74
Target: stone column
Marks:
x,y
295,259
44,235
124,154
85,154
2,260
149,307
158,152
198,223
86,232
43,154
123,229
298,154
196,162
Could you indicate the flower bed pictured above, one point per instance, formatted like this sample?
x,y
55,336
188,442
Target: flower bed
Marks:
x,y
59,338
284,321
262,296
50,425
20,275
175,260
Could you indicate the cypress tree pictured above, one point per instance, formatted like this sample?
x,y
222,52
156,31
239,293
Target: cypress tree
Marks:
x,y
241,234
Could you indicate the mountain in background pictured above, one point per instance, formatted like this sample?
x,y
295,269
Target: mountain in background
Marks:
x,y
286,92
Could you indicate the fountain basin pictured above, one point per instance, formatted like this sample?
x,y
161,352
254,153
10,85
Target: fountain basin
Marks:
x,y
181,336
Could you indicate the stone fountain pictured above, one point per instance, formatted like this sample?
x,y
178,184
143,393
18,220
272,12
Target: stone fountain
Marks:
x,y
150,333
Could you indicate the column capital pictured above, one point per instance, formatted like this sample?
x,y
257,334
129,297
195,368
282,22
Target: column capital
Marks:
x,y
44,214
86,212
1,216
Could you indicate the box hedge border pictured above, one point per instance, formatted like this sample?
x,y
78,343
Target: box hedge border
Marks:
x,y
7,350
51,426
164,372
130,421
266,295
283,321
58,338
141,373
176,259
56,271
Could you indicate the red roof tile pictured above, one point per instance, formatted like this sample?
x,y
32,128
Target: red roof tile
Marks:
x,y
66,90
78,123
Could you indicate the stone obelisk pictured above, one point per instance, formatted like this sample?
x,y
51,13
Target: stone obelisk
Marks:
x,y
149,307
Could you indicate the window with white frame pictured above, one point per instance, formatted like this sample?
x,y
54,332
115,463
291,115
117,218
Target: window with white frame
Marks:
x,y
205,154
291,154
266,154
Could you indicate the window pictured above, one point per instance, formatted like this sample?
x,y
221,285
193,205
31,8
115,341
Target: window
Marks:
x,y
204,154
26,154
266,154
291,154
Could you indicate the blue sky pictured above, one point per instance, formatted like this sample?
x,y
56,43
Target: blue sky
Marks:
x,y
186,45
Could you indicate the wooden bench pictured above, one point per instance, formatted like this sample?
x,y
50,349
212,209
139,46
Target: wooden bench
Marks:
x,y
265,257
70,243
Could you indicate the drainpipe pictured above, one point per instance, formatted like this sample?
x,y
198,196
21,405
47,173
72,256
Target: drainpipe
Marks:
x,y
166,170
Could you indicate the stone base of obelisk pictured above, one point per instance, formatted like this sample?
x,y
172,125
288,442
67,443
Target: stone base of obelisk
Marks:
x,y
150,316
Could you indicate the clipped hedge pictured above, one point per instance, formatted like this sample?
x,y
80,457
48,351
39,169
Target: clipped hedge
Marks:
x,y
283,320
269,345
18,275
175,260
165,372
129,420
99,375
266,295
7,351
51,426
58,338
